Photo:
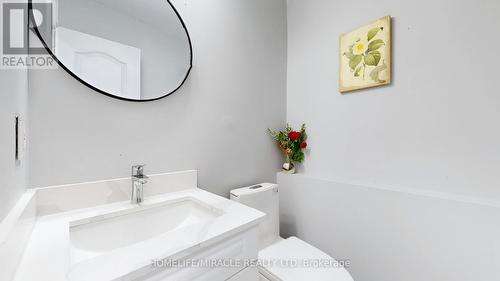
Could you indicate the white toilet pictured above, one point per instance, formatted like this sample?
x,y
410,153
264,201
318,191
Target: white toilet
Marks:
x,y
284,259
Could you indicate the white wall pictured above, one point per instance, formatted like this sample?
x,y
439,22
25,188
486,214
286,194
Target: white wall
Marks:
x,y
403,180
13,174
393,235
215,123
434,128
13,100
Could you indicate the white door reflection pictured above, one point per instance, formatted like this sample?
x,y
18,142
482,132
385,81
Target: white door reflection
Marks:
x,y
109,66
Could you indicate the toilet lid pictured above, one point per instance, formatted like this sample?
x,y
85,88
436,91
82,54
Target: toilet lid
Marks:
x,y
293,259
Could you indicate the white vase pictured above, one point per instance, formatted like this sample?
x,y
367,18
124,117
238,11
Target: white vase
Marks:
x,y
288,167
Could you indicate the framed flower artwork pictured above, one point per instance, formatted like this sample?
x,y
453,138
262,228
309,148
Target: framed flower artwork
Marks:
x,y
365,56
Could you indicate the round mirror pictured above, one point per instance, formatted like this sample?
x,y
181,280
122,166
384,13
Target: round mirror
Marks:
x,y
137,50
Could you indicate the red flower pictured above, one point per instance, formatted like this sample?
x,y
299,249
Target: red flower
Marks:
x,y
303,145
294,135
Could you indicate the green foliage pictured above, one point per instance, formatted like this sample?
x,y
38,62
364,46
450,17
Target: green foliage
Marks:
x,y
375,45
372,58
373,32
291,147
349,55
355,61
358,70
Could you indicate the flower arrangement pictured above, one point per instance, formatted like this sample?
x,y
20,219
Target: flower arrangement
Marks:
x,y
292,144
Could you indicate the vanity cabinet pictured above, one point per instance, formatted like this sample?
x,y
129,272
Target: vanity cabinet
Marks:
x,y
247,274
228,257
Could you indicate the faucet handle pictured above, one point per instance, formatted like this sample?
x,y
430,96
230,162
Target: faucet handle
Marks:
x,y
138,170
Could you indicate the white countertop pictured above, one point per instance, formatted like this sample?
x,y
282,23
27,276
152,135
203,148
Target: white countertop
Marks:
x,y
47,253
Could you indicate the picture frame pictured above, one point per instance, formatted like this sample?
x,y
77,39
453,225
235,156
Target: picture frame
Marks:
x,y
365,56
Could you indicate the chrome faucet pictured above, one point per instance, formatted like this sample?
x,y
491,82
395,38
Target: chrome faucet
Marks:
x,y
139,179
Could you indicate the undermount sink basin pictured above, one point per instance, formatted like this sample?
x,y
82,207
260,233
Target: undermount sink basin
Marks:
x,y
93,236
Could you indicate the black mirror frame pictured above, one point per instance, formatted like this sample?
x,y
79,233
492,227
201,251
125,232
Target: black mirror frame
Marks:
x,y
35,28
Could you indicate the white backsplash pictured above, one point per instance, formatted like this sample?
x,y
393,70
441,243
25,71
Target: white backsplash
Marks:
x,y
83,195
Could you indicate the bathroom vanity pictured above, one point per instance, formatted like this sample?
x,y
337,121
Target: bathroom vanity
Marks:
x,y
92,231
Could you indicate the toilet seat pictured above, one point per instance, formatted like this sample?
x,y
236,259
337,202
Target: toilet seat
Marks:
x,y
284,261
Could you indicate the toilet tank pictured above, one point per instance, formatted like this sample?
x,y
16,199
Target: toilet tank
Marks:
x,y
265,198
